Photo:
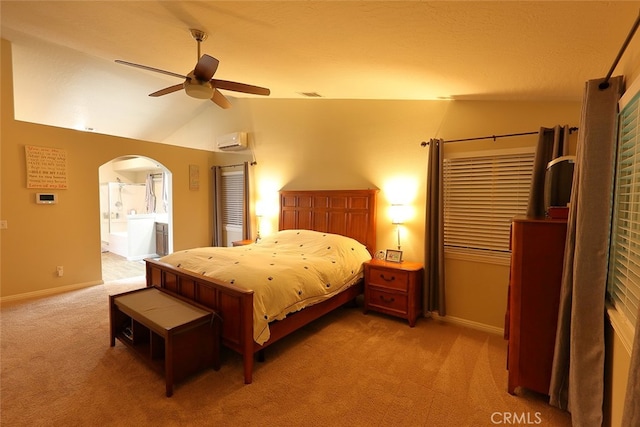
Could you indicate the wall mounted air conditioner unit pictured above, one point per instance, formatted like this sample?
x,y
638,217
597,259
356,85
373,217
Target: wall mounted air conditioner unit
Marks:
x,y
232,141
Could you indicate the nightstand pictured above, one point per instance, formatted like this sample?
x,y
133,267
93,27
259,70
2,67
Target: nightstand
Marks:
x,y
393,288
242,242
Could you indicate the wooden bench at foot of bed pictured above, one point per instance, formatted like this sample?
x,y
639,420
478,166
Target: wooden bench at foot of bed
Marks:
x,y
235,306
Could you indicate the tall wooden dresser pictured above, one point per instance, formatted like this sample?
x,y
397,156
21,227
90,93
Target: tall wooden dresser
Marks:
x,y
537,255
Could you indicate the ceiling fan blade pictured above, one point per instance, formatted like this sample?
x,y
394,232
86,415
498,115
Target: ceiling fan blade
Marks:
x,y
220,100
240,87
156,70
168,90
205,68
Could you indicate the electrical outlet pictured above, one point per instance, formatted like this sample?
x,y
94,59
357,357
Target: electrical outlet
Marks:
x,y
60,270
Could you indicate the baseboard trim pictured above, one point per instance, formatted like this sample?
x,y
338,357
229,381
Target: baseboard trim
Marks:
x,y
49,292
469,324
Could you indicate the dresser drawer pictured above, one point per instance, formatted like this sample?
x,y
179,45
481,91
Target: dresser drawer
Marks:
x,y
388,301
390,279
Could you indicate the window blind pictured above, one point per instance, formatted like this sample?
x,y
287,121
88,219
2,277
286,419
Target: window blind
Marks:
x,y
623,283
232,196
481,196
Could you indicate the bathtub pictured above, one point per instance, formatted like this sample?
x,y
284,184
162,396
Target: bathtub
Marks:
x,y
138,242
119,243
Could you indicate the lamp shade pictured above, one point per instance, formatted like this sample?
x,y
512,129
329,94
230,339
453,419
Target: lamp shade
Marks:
x,y
397,213
259,208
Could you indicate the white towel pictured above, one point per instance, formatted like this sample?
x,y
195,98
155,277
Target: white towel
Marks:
x,y
165,192
150,197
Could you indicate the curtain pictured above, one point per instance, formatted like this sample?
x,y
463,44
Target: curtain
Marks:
x,y
246,212
216,188
552,143
150,195
577,378
434,240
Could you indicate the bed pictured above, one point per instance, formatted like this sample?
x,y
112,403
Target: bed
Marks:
x,y
350,213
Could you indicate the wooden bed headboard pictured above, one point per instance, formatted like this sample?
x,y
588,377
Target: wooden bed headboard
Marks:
x,y
351,213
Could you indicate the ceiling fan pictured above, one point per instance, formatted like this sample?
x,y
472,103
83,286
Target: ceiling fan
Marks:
x,y
199,83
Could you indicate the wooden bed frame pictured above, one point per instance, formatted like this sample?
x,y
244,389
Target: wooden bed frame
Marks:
x,y
350,213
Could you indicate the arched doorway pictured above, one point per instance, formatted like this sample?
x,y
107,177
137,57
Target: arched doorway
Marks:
x,y
135,215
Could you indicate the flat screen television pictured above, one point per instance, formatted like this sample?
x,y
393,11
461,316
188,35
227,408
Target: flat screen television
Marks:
x,y
558,181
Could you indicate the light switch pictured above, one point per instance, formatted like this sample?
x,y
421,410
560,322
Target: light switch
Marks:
x,y
3,224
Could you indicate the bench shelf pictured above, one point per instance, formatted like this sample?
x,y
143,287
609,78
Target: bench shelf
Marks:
x,y
175,337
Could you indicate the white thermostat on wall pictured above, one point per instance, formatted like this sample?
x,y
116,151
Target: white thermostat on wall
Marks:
x,y
46,198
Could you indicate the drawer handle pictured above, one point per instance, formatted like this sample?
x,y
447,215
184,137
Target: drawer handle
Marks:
x,y
391,299
387,280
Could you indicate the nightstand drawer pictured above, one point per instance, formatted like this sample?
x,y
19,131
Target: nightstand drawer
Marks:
x,y
391,301
391,279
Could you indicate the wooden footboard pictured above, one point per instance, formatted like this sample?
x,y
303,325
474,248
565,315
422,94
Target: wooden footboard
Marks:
x,y
235,307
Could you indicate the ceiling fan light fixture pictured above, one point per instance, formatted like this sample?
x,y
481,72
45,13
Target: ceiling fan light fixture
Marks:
x,y
200,90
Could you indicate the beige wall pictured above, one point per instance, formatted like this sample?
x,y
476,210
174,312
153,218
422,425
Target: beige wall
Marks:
x,y
333,144
312,144
315,144
617,364
39,238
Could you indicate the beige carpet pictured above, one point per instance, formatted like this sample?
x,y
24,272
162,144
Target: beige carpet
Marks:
x,y
347,369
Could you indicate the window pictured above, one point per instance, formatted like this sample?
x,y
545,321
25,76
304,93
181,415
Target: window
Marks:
x,y
623,283
233,198
482,194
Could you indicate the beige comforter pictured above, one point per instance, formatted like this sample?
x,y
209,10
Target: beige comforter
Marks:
x,y
287,271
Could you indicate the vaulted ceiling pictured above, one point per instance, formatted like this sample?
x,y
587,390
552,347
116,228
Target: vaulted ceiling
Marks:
x,y
65,72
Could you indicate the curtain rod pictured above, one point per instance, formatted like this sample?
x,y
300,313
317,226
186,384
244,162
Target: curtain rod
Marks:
x,y
236,165
232,166
494,137
605,82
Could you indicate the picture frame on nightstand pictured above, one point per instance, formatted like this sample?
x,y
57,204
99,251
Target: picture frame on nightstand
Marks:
x,y
393,256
